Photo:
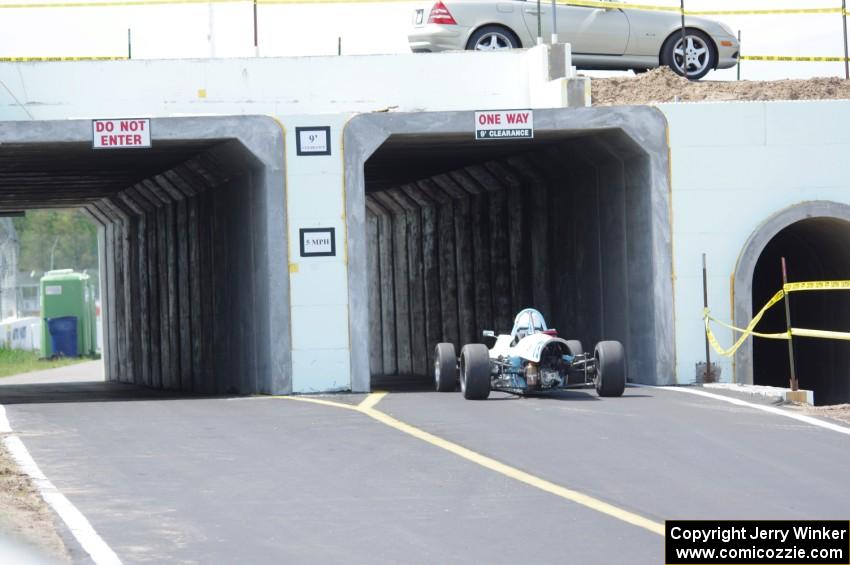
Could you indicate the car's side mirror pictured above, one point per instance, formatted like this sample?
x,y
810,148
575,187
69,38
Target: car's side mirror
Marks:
x,y
488,333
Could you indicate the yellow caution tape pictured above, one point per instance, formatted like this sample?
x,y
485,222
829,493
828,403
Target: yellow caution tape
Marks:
x,y
583,3
57,59
612,6
764,12
678,10
112,4
800,332
817,285
796,59
745,332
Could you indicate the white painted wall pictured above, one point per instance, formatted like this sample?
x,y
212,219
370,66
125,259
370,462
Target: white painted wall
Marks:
x,y
280,86
318,286
733,166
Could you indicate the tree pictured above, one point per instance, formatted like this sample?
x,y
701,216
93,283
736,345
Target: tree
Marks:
x,y
56,239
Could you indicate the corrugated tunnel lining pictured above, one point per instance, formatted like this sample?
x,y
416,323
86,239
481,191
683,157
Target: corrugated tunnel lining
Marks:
x,y
461,236
176,256
815,249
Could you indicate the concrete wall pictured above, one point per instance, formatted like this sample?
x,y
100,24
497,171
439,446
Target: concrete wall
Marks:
x,y
288,86
736,167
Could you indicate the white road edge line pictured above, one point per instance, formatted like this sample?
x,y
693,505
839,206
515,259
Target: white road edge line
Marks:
x,y
769,409
82,530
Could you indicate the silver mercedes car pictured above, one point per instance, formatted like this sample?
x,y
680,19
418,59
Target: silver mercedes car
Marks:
x,y
609,38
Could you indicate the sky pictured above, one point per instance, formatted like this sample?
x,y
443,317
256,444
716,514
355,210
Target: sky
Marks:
x,y
226,30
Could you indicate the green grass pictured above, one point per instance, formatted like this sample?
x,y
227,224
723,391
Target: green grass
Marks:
x,y
16,361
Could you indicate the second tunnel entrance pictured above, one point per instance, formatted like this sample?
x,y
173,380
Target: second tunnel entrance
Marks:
x,y
459,235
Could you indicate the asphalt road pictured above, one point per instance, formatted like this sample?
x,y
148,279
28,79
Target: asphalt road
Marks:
x,y
265,480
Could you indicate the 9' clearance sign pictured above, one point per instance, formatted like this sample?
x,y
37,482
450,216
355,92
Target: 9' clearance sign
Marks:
x,y
121,134
504,124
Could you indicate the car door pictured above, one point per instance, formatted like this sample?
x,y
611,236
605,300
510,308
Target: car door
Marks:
x,y
596,31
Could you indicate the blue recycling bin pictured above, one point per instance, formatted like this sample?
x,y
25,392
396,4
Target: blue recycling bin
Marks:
x,y
63,335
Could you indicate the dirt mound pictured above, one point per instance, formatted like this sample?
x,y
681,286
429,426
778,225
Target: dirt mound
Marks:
x,y
663,85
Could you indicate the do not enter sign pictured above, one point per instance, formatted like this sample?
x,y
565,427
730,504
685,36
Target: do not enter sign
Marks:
x,y
121,134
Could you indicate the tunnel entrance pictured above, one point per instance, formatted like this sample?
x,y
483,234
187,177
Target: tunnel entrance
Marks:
x,y
191,233
815,249
459,235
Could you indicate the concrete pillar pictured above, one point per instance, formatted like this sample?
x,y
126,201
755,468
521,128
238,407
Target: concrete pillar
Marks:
x,y
499,256
206,282
139,274
538,195
169,346
464,258
416,284
181,267
149,275
447,262
400,281
639,227
481,226
184,180
430,272
385,262
376,331
124,290
103,252
520,261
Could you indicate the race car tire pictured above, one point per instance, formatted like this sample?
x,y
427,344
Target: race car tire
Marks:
x,y
445,367
610,368
575,346
475,371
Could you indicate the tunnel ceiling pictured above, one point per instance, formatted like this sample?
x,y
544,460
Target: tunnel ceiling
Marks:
x,y
392,165
62,175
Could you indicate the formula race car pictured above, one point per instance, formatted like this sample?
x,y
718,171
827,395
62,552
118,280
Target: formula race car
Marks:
x,y
531,359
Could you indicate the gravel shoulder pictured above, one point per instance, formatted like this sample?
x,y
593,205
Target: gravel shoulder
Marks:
x,y
662,85
24,516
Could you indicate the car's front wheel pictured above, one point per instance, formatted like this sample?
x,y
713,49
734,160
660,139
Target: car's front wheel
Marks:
x,y
492,38
692,57
475,371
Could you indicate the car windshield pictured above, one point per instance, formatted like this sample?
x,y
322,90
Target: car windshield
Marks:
x,y
527,322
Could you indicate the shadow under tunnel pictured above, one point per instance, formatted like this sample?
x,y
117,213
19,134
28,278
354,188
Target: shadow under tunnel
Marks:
x,y
186,260
461,235
816,249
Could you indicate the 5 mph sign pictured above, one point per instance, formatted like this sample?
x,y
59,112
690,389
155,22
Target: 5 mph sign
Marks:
x,y
504,124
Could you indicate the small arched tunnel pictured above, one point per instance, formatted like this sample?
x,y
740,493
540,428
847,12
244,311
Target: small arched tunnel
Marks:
x,y
815,249
186,258
461,235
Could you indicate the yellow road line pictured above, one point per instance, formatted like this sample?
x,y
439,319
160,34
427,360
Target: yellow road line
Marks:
x,y
371,401
367,407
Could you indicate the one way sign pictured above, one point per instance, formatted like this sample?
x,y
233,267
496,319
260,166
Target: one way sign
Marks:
x,y
504,124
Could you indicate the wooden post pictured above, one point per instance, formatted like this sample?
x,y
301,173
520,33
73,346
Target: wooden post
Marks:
x,y
844,24
794,384
708,377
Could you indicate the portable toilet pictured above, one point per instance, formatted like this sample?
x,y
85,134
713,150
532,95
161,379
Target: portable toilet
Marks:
x,y
66,293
